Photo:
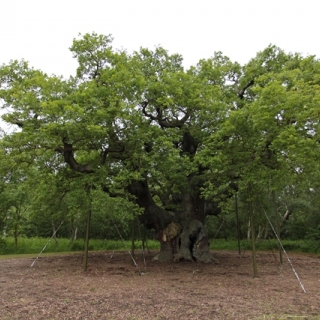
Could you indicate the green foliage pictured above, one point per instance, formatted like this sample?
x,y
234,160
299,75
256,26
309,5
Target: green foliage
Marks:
x,y
80,142
313,234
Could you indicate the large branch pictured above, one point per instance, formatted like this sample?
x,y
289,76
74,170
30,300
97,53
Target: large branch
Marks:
x,y
164,122
116,146
241,92
106,151
153,216
68,154
17,122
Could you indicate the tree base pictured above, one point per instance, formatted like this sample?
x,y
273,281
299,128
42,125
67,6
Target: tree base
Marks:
x,y
186,241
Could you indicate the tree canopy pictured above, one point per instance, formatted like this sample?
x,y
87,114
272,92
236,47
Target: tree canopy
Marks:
x,y
177,143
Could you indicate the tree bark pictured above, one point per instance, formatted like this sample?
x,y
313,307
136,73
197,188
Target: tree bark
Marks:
x,y
16,234
182,234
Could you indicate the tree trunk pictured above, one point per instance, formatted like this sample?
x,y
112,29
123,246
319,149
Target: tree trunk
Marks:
x,y
17,225
260,231
266,233
74,228
144,244
182,234
186,240
16,234
249,230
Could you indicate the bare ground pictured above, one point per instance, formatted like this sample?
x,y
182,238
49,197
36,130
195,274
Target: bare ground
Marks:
x,y
113,288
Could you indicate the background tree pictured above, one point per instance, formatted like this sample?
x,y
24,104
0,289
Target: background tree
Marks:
x,y
269,138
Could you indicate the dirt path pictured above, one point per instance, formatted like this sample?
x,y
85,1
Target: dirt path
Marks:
x,y
57,288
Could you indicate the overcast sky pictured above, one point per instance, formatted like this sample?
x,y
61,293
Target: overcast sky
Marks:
x,y
41,31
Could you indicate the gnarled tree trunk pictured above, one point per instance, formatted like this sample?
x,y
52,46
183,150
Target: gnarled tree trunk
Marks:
x,y
182,234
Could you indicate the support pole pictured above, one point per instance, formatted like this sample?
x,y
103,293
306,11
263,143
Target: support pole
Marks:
x,y
277,224
133,236
237,219
294,271
253,240
86,243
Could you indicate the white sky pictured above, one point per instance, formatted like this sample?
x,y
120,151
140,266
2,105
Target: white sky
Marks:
x,y
41,31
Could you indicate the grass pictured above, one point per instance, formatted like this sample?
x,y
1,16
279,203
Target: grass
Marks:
x,y
33,255
35,245
289,245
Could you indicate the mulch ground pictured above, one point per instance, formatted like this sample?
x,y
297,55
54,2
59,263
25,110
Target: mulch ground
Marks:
x,y
114,288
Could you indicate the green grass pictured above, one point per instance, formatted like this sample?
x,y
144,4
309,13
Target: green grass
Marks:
x,y
289,245
35,245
